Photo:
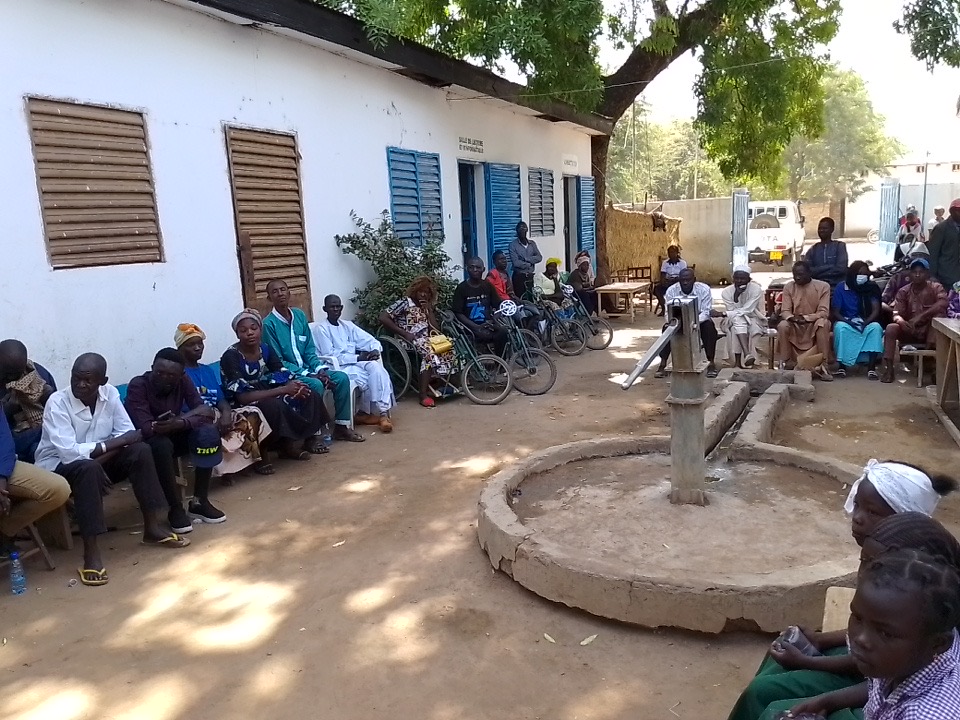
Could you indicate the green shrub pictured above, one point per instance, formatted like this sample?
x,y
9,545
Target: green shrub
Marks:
x,y
395,265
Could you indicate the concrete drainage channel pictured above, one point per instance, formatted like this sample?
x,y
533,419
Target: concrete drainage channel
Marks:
x,y
586,544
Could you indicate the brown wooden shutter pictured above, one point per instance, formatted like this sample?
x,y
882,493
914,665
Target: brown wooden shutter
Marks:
x,y
265,178
96,188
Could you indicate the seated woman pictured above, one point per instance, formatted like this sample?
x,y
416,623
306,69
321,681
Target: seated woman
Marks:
x,y
549,283
581,280
412,318
254,376
670,270
241,429
903,531
855,311
884,489
953,302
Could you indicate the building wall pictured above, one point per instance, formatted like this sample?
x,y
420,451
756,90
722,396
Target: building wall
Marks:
x,y
190,74
705,234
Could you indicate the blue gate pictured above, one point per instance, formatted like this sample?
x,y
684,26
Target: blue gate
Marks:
x,y
503,206
740,224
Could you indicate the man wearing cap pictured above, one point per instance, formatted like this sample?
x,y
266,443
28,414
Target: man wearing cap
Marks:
x,y
944,247
937,218
913,309
744,322
166,408
902,278
582,283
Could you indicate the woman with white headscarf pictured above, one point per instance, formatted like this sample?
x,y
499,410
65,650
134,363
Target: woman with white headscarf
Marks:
x,y
787,677
744,321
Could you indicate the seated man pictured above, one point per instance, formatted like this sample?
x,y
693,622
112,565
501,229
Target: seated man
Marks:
x,y
828,258
915,306
88,439
670,270
582,284
901,279
805,320
474,302
688,287
744,322
528,313
358,353
25,387
550,284
287,332
35,490
166,408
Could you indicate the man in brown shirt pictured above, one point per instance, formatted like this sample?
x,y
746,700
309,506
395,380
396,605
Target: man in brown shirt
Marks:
x,y
804,319
913,309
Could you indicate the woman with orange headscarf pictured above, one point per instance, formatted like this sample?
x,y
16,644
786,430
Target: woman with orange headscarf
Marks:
x,y
241,429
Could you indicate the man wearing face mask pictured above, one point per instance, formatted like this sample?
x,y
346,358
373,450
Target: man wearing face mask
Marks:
x,y
745,321
855,312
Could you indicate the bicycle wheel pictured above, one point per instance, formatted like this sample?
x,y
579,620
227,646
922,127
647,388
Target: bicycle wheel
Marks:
x,y
568,337
873,236
486,379
534,372
396,359
599,335
531,339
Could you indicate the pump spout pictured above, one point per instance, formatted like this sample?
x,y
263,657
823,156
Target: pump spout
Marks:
x,y
672,328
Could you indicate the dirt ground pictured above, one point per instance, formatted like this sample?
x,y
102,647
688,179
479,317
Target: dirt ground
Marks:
x,y
353,587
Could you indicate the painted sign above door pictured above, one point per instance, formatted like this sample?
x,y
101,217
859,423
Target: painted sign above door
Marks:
x,y
471,146
571,165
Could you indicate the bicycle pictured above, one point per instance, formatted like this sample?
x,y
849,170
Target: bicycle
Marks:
x,y
598,330
566,335
534,372
483,377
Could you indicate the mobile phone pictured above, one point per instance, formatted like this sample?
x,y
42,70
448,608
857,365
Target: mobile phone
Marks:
x,y
168,415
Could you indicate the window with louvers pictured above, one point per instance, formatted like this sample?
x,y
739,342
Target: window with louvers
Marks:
x,y
96,187
268,204
415,194
542,220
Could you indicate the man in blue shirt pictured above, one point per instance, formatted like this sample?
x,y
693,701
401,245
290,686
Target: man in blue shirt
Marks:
x,y
828,258
37,491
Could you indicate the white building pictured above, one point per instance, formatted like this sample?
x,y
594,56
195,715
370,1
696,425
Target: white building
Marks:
x,y
145,141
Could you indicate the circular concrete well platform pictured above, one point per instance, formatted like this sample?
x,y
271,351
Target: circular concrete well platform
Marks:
x,y
590,525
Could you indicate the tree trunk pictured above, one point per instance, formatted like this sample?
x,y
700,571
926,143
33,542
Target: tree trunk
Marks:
x,y
599,149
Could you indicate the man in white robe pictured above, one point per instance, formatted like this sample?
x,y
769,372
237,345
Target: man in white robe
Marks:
x,y
358,354
745,321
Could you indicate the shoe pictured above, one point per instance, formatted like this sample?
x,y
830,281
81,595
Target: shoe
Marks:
x,y
873,375
363,418
386,425
660,373
822,374
841,372
203,511
179,520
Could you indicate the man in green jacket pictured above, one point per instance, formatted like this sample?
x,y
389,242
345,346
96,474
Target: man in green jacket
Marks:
x,y
287,332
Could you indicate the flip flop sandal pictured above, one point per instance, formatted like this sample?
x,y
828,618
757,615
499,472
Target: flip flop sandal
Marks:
x,y
302,456
873,375
840,373
428,402
173,540
352,437
264,469
318,449
93,578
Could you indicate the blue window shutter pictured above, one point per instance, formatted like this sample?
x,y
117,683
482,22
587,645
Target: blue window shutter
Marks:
x,y
415,194
542,220
503,206
587,222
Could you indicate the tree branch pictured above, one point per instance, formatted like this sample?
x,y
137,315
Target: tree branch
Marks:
x,y
643,64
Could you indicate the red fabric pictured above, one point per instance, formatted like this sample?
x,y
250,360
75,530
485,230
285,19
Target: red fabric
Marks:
x,y
499,283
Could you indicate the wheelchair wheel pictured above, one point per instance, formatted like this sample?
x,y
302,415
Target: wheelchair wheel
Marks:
x,y
600,335
486,379
396,359
534,372
568,337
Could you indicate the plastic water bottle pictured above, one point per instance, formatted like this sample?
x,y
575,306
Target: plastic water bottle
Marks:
x,y
18,581
327,435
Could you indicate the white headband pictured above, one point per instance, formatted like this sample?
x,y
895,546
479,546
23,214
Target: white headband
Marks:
x,y
905,488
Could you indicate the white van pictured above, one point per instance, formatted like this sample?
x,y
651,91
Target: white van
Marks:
x,y
775,231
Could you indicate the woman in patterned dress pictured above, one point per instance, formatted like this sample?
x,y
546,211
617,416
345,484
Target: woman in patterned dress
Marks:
x,y
412,319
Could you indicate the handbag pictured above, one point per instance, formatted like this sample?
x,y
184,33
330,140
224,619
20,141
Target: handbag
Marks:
x,y
440,343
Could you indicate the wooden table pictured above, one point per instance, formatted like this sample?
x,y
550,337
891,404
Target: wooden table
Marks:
x,y
947,401
626,290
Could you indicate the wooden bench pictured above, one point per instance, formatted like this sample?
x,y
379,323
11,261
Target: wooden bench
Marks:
x,y
920,353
